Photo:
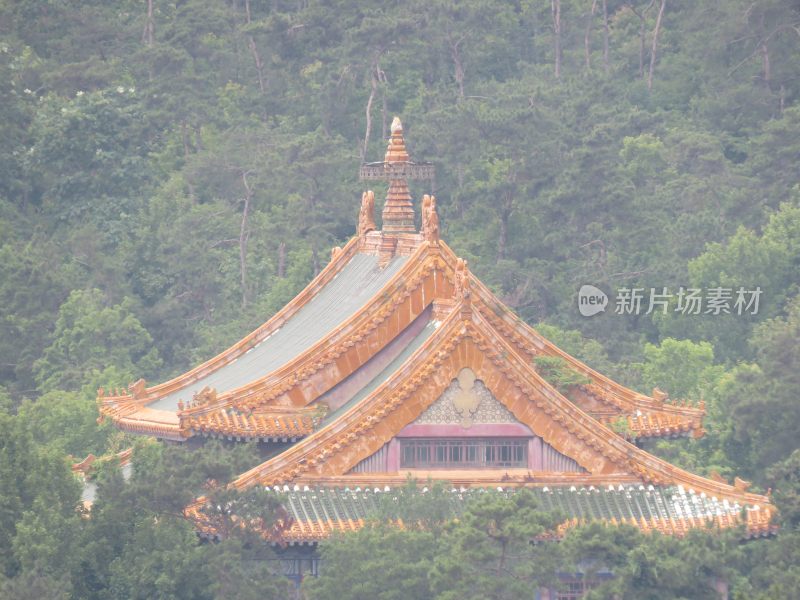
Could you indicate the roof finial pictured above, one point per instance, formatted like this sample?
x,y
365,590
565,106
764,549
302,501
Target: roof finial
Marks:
x,y
396,150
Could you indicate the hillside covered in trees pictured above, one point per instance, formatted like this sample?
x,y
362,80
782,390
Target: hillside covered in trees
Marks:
x,y
172,173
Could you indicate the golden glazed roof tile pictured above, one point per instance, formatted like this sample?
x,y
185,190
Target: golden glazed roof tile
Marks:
x,y
287,425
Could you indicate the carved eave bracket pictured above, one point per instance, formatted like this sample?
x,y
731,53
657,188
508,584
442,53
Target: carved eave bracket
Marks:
x,y
659,396
462,289
115,403
138,389
205,397
430,220
386,250
462,280
366,216
442,307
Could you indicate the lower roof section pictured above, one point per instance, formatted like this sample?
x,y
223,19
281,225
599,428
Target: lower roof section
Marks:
x,y
317,512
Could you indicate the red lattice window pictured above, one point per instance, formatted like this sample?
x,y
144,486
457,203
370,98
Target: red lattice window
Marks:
x,y
437,453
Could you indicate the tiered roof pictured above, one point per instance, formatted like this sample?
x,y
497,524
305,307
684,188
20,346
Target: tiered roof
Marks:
x,y
376,339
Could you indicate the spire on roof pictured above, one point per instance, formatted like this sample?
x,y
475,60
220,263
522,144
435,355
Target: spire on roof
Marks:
x,y
397,167
398,212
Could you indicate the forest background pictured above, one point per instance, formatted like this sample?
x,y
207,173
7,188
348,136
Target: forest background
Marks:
x,y
172,173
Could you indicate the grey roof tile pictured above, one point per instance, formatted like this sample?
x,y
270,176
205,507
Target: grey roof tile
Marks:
x,y
357,283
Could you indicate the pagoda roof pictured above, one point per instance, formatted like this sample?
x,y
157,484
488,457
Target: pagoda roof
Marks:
x,y
352,286
352,280
374,340
602,397
340,308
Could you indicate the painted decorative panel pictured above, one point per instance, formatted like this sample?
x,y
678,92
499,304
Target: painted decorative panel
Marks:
x,y
483,408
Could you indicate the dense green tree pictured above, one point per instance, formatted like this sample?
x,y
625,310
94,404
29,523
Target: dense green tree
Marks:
x,y
765,414
489,552
17,101
66,422
137,542
662,566
33,585
683,369
376,562
39,498
163,560
246,571
47,537
91,336
88,155
785,477
749,261
31,288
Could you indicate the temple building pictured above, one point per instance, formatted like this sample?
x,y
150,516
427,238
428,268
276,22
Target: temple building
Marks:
x,y
397,362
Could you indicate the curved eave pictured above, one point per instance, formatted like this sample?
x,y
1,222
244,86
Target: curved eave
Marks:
x,y
284,426
154,393
530,342
649,468
653,425
146,421
410,291
353,330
